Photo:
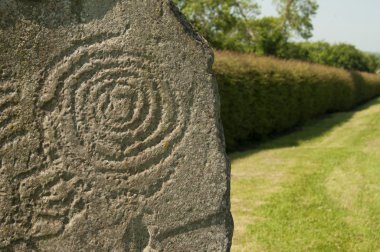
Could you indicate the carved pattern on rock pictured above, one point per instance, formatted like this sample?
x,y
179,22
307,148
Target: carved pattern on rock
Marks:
x,y
115,106
109,131
106,105
10,124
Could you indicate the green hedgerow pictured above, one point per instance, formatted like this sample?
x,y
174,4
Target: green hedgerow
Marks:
x,y
261,95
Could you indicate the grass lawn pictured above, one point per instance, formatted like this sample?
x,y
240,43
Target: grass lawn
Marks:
x,y
317,189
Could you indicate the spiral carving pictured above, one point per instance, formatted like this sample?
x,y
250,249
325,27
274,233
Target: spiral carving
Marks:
x,y
116,105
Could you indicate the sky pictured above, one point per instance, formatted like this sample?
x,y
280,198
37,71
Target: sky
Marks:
x,y
356,22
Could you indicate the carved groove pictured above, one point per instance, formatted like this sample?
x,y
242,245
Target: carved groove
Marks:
x,y
107,106
10,123
58,198
115,105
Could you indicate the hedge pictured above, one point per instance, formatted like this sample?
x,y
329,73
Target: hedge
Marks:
x,y
261,96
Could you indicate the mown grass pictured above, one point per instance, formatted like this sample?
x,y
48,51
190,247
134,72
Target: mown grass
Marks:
x,y
317,189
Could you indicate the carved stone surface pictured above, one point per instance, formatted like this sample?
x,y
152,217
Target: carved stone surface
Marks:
x,y
110,136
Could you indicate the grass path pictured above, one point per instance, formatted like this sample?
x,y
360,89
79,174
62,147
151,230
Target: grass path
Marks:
x,y
317,189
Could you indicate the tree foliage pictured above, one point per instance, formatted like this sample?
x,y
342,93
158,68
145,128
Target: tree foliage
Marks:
x,y
234,25
346,56
268,37
296,16
340,55
224,23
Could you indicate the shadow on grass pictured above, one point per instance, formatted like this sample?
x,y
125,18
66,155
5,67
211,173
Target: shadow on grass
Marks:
x,y
311,129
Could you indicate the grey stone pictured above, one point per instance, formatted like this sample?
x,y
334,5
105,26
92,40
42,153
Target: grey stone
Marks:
x,y
110,136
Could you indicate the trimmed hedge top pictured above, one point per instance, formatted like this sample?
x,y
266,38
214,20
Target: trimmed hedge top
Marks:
x,y
261,96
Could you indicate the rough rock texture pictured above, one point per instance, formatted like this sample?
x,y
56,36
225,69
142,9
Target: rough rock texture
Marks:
x,y
110,136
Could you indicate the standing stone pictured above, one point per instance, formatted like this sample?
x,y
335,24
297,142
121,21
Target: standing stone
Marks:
x,y
110,136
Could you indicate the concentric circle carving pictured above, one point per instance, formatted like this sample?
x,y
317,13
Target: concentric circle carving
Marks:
x,y
116,105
